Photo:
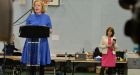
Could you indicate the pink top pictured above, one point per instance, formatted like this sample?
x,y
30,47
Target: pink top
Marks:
x,y
109,59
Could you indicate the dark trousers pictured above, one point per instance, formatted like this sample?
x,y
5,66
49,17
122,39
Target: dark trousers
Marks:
x,y
34,69
109,71
41,70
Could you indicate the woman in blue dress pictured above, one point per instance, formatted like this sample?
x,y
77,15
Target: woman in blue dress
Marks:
x,y
37,53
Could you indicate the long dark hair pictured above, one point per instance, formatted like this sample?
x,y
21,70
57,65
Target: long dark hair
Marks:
x,y
112,30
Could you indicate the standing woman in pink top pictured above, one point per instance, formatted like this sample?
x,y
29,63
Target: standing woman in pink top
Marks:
x,y
108,47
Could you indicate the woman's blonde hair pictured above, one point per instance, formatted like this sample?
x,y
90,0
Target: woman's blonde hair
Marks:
x,y
42,4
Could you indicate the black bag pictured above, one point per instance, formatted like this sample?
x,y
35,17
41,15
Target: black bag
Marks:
x,y
9,48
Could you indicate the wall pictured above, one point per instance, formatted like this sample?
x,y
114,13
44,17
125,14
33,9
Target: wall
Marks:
x,y
79,24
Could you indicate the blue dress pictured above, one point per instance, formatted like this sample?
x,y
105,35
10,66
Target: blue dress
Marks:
x,y
37,53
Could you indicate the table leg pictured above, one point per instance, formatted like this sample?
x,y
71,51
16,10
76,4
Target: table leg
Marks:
x,y
73,69
126,69
65,67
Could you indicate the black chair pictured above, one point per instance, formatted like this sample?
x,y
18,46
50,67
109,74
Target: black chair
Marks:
x,y
119,67
120,54
8,66
51,67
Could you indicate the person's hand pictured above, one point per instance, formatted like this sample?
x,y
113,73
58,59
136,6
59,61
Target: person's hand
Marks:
x,y
111,46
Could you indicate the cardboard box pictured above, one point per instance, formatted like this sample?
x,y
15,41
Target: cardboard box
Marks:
x,y
98,69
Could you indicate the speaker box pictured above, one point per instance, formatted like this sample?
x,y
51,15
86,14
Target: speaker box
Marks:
x,y
5,19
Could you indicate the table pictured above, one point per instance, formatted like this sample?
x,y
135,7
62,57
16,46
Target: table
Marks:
x,y
12,57
75,62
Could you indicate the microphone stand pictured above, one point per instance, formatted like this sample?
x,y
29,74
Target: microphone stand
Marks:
x,y
22,16
4,58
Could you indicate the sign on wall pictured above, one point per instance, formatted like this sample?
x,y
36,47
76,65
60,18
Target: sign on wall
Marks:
x,y
52,2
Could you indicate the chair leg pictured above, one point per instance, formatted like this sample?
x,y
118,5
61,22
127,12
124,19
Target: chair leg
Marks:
x,y
14,71
54,71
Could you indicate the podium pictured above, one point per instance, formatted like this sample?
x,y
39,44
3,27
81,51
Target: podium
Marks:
x,y
34,33
30,31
